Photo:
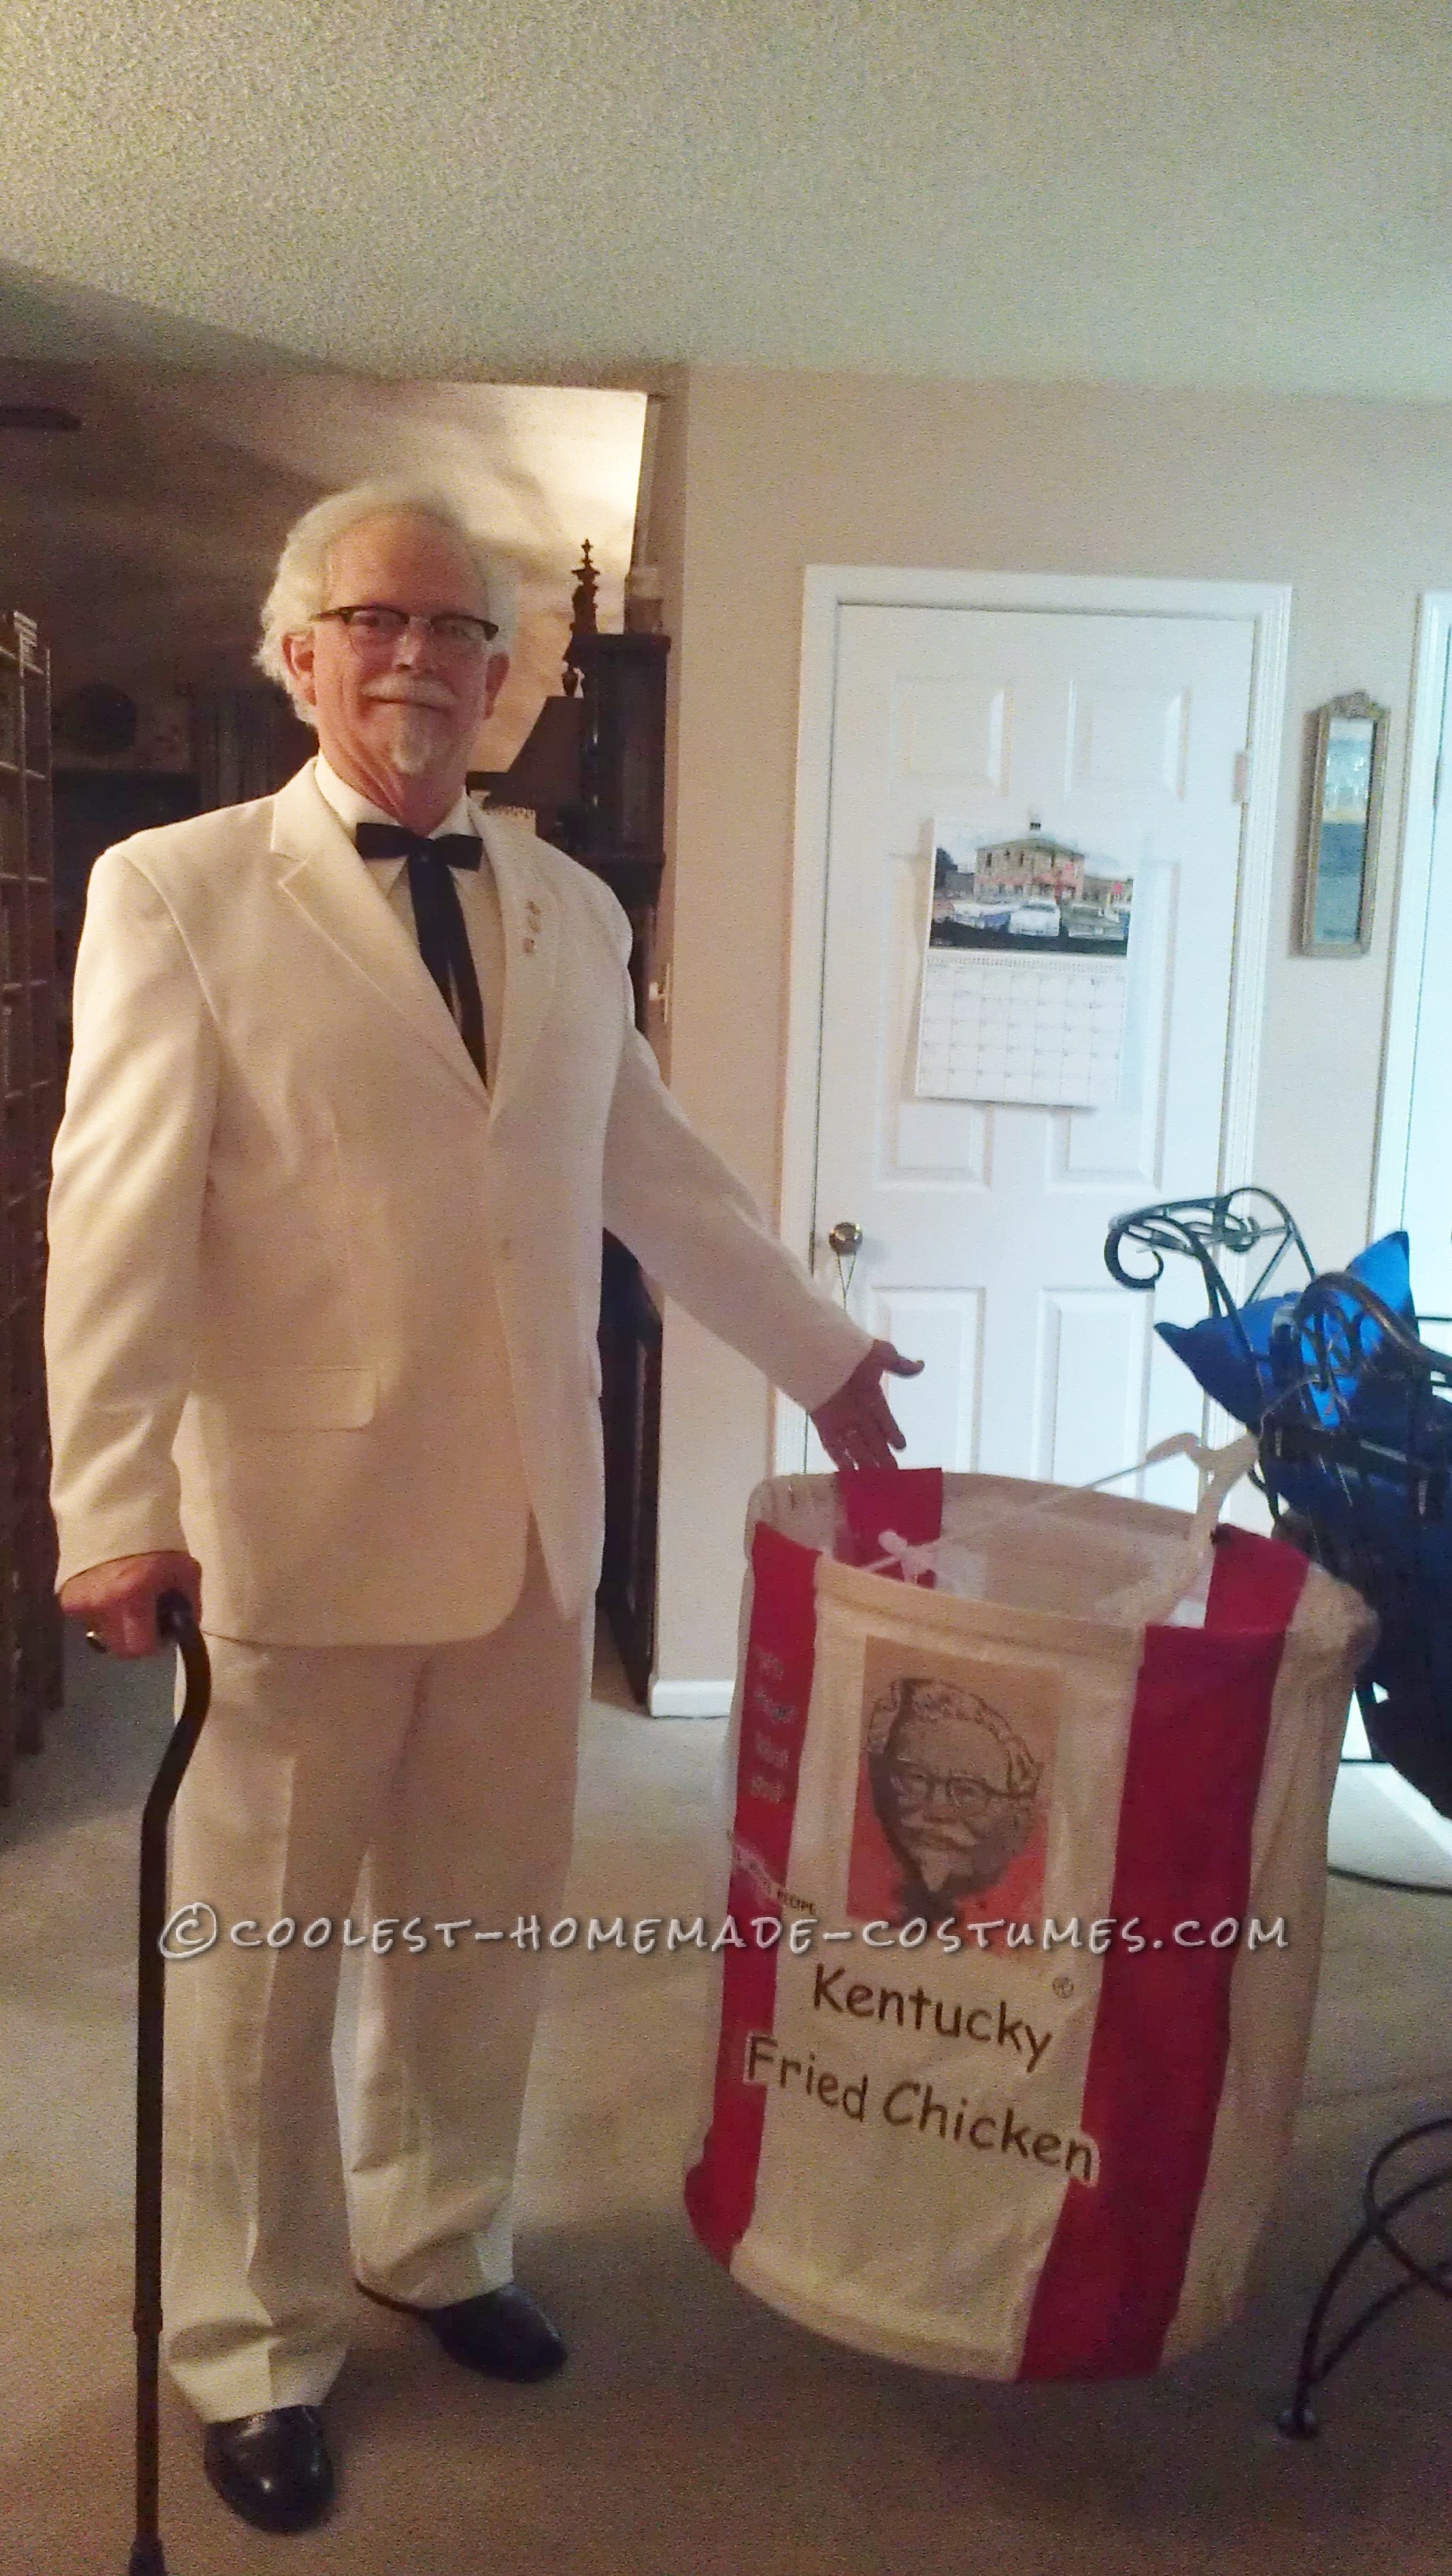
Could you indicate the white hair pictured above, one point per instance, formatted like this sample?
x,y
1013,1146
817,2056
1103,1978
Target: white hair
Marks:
x,y
300,583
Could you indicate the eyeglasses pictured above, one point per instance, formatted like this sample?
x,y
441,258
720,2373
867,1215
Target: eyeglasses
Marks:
x,y
965,1795
371,629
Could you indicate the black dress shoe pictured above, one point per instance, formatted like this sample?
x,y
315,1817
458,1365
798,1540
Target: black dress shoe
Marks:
x,y
273,2468
502,2332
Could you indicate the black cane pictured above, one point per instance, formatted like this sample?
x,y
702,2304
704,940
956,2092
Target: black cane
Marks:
x,y
174,1618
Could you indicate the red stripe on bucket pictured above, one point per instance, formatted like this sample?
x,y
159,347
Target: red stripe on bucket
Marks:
x,y
720,2190
1255,1583
1115,2269
906,1500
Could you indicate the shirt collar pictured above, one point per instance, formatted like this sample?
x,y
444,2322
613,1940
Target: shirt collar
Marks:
x,y
353,808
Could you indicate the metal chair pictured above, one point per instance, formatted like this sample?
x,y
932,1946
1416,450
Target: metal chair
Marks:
x,y
1353,1412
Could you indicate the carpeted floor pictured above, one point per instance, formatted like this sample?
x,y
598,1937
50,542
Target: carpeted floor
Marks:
x,y
695,2433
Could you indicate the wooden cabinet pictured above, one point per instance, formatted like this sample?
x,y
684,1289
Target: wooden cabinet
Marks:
x,y
617,828
30,1621
592,775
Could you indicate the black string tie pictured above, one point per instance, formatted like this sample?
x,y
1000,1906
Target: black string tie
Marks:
x,y
438,915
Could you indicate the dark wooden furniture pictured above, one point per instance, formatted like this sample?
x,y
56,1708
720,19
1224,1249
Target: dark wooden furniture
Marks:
x,y
630,1350
245,743
30,1619
616,825
592,774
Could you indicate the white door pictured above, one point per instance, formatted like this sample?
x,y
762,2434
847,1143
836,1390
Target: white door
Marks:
x,y
1427,1200
1379,1823
1121,736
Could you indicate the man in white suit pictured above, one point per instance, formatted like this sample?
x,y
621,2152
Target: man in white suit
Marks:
x,y
355,1087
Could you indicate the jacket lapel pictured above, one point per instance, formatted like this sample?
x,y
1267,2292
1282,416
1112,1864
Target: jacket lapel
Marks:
x,y
530,910
322,874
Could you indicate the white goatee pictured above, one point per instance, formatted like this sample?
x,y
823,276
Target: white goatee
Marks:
x,y
414,737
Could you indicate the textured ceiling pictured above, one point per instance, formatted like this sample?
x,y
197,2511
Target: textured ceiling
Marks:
x,y
1213,192
144,542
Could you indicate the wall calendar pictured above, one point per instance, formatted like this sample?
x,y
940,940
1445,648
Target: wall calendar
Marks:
x,y
1025,975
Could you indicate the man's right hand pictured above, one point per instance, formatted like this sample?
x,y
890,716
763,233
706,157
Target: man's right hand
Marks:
x,y
118,1599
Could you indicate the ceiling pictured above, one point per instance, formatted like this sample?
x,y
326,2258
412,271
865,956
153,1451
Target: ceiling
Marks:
x,y
144,542
1221,193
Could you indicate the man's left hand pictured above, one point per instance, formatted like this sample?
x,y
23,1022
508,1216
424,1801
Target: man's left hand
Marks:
x,y
855,1426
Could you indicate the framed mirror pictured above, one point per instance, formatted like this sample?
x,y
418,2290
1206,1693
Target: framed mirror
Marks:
x,y
1343,819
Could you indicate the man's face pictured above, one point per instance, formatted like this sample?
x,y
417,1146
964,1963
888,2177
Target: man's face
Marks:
x,y
398,723
952,1814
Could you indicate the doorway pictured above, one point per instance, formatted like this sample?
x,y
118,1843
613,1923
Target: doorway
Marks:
x,y
1413,1185
1380,1826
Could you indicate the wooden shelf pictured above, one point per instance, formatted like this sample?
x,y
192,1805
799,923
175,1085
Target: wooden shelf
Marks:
x,y
592,773
30,1622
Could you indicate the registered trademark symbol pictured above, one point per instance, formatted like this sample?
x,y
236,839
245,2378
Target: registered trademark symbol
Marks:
x,y
1063,1988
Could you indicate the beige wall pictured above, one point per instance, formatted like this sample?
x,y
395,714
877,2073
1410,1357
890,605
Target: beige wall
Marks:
x,y
1349,502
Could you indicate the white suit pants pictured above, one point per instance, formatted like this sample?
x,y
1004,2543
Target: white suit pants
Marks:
x,y
446,1775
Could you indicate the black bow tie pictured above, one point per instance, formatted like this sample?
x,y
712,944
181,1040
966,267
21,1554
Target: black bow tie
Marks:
x,y
396,841
438,915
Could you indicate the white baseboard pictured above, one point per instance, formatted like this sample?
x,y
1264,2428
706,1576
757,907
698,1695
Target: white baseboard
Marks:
x,y
690,1699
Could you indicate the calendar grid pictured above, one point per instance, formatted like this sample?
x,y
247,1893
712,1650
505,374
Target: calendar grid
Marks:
x,y
1048,1032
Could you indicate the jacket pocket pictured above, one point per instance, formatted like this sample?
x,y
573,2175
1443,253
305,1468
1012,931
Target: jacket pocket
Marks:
x,y
295,1399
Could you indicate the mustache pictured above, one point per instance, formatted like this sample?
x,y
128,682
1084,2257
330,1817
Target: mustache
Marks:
x,y
395,695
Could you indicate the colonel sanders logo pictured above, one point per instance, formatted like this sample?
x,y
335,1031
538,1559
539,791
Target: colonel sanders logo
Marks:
x,y
953,1786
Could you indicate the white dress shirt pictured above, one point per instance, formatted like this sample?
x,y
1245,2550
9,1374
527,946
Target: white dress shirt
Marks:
x,y
478,893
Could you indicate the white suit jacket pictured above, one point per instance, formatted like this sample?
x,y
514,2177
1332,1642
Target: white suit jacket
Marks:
x,y
288,1227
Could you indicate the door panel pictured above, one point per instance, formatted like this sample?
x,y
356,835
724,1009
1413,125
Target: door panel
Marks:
x,y
1130,742
1091,1361
944,1327
953,729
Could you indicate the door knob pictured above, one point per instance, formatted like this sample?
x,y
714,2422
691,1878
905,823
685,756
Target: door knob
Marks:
x,y
845,1240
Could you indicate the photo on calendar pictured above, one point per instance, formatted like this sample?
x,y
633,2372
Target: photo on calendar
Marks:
x,y
1033,894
